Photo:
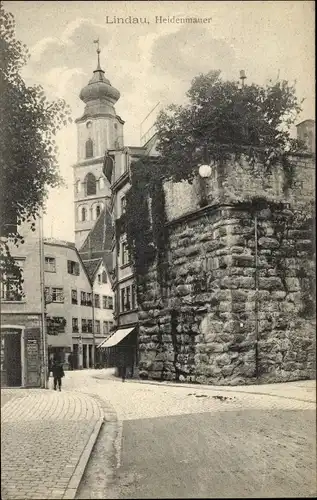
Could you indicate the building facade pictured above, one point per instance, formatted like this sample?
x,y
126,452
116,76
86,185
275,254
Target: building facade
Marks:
x,y
22,312
103,303
78,304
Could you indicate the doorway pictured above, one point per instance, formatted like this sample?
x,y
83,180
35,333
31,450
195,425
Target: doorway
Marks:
x,y
75,356
12,358
84,356
90,356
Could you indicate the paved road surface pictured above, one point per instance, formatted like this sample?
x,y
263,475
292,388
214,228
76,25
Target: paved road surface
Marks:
x,y
43,436
195,441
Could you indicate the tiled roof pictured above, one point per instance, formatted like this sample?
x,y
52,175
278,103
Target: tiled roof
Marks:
x,y
92,266
98,243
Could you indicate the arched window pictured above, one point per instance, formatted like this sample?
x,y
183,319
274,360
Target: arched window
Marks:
x,y
101,183
89,148
98,210
83,214
91,184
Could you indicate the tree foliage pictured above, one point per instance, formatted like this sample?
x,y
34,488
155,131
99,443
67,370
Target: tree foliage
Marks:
x,y
222,119
28,123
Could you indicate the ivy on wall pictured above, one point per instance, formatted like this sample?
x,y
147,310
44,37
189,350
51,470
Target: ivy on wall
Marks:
x,y
145,216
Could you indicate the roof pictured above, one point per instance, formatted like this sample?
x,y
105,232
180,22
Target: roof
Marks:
x,y
98,243
92,266
309,120
55,241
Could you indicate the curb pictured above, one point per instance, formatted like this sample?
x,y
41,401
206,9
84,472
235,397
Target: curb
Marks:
x,y
78,473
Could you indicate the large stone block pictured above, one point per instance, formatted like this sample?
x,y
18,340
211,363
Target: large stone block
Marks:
x,y
270,283
270,243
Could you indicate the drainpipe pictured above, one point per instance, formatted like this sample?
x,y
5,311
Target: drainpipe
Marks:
x,y
256,279
44,366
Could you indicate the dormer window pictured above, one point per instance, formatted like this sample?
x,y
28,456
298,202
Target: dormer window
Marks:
x,y
89,148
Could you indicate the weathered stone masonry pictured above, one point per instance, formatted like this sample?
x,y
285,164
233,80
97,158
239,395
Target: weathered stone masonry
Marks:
x,y
236,304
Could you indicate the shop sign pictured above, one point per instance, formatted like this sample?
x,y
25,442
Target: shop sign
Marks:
x,y
32,354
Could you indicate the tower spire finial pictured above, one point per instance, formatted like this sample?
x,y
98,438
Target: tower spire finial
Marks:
x,y
98,53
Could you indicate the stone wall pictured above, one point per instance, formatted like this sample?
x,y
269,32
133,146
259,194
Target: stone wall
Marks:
x,y
236,303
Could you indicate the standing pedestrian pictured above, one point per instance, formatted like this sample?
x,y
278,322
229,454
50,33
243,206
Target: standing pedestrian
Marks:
x,y
58,373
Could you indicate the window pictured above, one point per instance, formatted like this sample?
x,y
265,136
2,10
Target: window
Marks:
x,y
55,325
104,277
83,214
99,279
98,210
57,294
91,184
74,297
97,326
84,326
123,204
107,302
133,297
83,299
123,299
73,267
110,325
124,253
75,325
89,148
89,325
97,300
128,298
12,283
89,299
105,327
50,265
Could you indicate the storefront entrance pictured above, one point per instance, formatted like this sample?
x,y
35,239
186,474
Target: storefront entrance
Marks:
x,y
11,365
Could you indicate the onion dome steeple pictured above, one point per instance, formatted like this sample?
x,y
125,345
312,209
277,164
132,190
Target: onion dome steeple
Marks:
x,y
99,89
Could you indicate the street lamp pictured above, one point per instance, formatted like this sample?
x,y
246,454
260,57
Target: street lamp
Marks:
x,y
204,172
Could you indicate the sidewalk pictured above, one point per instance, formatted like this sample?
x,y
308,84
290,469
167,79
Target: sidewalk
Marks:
x,y
46,440
301,390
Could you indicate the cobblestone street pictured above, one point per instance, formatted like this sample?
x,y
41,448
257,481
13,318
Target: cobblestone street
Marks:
x,y
158,440
161,427
43,436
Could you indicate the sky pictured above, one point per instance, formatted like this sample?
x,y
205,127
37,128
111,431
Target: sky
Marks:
x,y
155,61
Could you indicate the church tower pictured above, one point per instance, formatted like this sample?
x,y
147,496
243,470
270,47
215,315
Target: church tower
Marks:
x,y
99,129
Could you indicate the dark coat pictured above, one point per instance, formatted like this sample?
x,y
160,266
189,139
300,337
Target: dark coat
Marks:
x,y
58,371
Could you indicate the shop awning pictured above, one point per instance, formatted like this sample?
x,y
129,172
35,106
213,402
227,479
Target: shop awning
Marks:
x,y
117,337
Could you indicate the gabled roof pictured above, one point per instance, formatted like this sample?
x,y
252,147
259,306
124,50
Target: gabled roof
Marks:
x,y
97,246
99,238
92,266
